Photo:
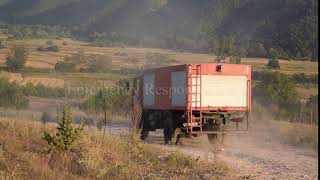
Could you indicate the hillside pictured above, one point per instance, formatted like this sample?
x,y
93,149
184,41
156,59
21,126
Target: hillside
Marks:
x,y
289,26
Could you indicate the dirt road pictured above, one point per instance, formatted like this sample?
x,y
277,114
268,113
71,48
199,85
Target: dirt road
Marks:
x,y
249,157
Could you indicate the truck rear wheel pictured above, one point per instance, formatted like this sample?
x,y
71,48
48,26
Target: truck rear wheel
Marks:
x,y
213,138
216,138
168,129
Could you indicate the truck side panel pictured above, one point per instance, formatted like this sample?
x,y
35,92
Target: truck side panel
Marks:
x,y
178,88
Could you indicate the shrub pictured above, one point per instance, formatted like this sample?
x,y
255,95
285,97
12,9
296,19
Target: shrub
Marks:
x,y
277,89
66,134
99,64
53,48
123,54
11,95
257,50
273,64
157,58
42,91
2,46
64,43
133,59
50,42
42,48
65,67
45,117
235,59
17,58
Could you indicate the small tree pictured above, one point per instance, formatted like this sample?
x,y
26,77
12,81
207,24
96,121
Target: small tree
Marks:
x,y
11,95
220,48
45,117
2,45
66,134
17,58
50,42
102,102
99,64
273,62
65,67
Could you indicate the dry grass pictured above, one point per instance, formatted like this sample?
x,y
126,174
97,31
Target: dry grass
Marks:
x,y
307,91
268,131
301,135
24,155
48,59
23,80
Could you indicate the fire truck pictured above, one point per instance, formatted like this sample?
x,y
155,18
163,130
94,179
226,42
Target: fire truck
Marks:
x,y
191,100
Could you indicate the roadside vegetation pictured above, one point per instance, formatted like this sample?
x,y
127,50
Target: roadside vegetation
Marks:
x,y
94,156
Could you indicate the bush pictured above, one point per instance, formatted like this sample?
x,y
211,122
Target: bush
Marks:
x,y
2,46
257,50
301,78
51,48
17,58
45,117
43,91
157,58
235,59
273,64
50,42
123,54
66,134
11,95
65,67
99,64
42,48
133,60
277,89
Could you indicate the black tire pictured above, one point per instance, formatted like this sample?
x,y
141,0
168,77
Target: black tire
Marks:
x,y
144,133
213,138
168,129
216,138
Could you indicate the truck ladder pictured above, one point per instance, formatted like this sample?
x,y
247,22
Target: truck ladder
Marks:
x,y
194,97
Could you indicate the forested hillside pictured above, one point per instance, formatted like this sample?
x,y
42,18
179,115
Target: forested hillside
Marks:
x,y
290,26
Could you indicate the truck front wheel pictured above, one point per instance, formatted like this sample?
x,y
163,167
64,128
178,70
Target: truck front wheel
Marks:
x,y
144,133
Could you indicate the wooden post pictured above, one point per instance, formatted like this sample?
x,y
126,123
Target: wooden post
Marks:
x,y
300,112
311,114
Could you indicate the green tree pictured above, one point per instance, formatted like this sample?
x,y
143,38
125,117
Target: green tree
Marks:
x,y
2,45
273,62
277,89
102,102
220,48
66,134
11,95
17,58
65,67
99,63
